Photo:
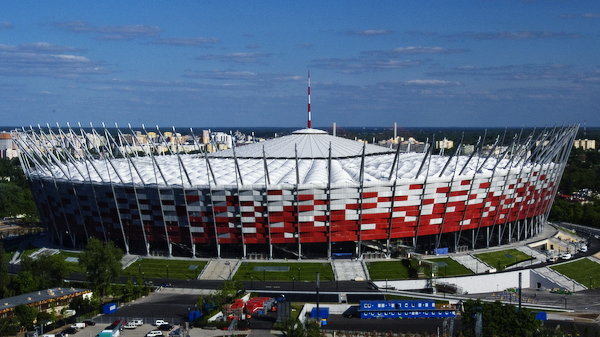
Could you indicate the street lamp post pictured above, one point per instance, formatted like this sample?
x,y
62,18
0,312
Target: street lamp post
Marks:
x,y
318,314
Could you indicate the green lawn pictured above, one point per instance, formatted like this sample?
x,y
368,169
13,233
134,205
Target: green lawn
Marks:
x,y
391,270
449,267
503,258
583,271
72,267
295,309
298,271
165,268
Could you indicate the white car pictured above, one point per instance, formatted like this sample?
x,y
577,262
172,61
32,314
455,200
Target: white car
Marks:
x,y
130,325
160,322
565,256
154,333
137,321
583,249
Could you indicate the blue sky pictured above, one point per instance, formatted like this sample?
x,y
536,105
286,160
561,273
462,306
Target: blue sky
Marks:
x,y
244,63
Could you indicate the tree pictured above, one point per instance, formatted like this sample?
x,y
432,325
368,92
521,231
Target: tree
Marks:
x,y
9,326
4,278
292,328
25,315
84,306
102,264
24,282
501,320
45,271
313,329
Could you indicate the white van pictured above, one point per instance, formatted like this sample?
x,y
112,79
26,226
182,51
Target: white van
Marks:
x,y
160,322
154,333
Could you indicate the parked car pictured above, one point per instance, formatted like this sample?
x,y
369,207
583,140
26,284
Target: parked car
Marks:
x,y
566,256
137,321
552,258
89,323
165,327
583,249
160,322
154,333
130,325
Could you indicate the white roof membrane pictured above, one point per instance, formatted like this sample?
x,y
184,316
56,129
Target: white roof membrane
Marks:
x,y
281,171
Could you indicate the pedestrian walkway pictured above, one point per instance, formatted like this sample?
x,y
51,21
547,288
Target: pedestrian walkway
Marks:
x,y
349,270
594,259
559,279
474,264
220,269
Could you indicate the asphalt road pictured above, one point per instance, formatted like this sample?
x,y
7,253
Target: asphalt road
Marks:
x,y
430,325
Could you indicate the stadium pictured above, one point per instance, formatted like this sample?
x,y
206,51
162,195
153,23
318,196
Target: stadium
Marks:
x,y
305,195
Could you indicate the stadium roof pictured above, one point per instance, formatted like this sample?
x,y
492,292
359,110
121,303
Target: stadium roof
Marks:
x,y
311,167
308,143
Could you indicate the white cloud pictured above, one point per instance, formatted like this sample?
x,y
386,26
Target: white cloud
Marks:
x,y
370,32
435,83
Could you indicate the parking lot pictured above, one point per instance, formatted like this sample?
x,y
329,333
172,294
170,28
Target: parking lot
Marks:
x,y
171,307
141,331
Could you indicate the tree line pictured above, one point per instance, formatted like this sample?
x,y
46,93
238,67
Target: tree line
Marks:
x,y
15,195
582,171
101,264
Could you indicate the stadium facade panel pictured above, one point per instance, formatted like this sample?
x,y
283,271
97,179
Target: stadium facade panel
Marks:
x,y
304,195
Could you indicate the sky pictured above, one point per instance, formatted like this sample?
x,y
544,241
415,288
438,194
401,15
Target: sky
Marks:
x,y
485,63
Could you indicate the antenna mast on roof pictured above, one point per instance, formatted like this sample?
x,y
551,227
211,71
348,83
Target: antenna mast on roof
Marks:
x,y
309,116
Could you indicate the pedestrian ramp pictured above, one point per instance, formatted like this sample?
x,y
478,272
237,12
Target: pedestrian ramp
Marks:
x,y
559,279
347,270
474,264
220,269
538,257
44,252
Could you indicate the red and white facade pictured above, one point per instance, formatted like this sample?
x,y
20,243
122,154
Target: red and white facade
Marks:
x,y
308,194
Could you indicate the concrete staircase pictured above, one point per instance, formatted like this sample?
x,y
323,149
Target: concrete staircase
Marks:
x,y
220,269
560,279
127,260
347,270
474,264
